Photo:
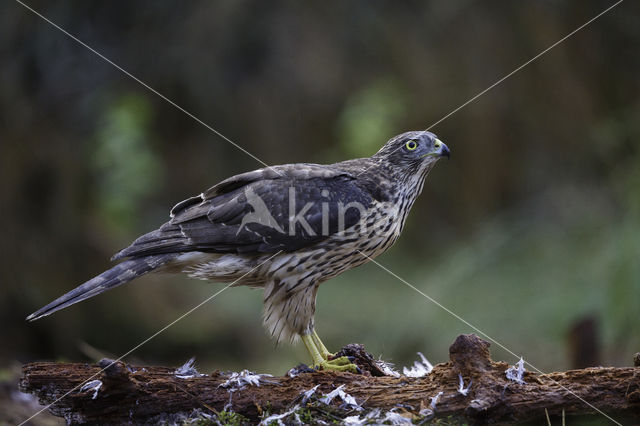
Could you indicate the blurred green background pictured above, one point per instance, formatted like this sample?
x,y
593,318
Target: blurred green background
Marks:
x,y
530,231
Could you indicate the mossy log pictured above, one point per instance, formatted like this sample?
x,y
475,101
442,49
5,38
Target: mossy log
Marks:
x,y
135,394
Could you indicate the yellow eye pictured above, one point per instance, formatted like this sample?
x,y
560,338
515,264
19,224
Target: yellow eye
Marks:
x,y
411,145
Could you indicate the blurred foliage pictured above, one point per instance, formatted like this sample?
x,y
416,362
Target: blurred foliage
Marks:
x,y
126,167
374,111
533,225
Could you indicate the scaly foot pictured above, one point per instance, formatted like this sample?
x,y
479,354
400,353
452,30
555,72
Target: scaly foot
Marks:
x,y
321,356
342,363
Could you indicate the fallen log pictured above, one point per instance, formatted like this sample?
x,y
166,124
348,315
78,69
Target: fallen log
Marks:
x,y
122,393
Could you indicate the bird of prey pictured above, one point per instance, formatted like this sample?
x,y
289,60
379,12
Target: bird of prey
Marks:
x,y
285,229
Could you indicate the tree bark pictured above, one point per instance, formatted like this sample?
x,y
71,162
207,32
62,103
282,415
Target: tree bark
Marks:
x,y
141,394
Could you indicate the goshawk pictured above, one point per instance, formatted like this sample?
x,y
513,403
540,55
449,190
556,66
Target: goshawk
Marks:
x,y
284,229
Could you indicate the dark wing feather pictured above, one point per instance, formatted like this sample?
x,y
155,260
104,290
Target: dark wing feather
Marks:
x,y
213,221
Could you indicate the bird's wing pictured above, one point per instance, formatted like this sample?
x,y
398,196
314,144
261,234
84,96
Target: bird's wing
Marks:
x,y
251,213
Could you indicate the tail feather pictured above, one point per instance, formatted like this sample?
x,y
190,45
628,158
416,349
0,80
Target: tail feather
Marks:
x,y
120,274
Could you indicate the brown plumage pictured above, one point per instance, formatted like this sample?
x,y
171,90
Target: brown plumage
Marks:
x,y
284,228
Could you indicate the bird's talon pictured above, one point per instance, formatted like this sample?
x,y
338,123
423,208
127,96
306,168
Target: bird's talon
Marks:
x,y
331,366
343,360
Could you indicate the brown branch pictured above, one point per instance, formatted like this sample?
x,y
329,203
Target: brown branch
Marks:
x,y
137,394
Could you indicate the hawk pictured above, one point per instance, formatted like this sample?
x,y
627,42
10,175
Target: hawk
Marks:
x,y
285,229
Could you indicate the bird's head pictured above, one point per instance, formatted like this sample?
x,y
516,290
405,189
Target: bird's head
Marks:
x,y
415,151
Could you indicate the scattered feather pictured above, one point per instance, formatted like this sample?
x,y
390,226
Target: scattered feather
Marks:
x,y
390,417
434,399
387,368
419,369
461,389
329,397
366,419
93,385
375,417
229,405
238,381
188,370
243,378
353,420
395,418
308,394
198,416
349,401
278,417
426,412
516,372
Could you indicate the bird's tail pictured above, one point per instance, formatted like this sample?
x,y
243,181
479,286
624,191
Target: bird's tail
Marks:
x,y
120,274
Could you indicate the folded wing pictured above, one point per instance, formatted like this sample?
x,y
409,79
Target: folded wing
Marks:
x,y
279,208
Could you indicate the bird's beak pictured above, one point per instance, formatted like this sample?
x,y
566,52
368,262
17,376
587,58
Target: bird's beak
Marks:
x,y
439,150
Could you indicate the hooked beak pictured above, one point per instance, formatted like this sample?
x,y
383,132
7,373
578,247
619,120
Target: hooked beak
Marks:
x,y
440,150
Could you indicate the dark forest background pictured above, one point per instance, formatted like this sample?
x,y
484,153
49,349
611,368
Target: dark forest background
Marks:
x,y
531,231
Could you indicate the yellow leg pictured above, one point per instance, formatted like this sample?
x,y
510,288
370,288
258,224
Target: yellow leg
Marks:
x,y
322,362
321,347
313,350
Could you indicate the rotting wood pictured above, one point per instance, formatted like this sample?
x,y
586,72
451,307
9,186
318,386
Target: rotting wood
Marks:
x,y
137,394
